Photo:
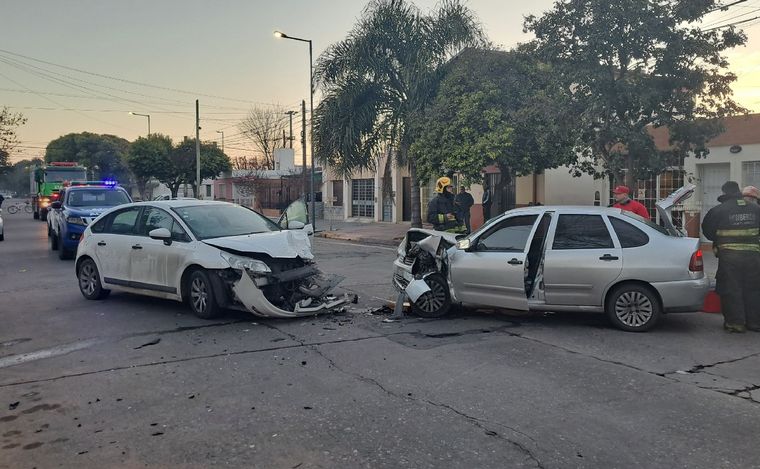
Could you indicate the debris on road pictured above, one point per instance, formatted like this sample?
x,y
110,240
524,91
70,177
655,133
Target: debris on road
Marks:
x,y
13,405
148,344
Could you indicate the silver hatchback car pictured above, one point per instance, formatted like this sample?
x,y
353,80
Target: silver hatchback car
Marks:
x,y
559,259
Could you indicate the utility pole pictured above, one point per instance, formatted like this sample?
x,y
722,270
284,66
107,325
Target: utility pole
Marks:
x,y
291,113
197,151
284,145
311,137
303,148
221,132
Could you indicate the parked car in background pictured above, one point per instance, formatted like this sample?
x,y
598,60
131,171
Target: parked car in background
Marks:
x,y
213,255
75,208
559,259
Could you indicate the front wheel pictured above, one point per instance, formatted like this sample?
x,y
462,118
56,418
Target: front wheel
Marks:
x,y
634,308
435,303
12,209
89,281
28,209
63,253
201,295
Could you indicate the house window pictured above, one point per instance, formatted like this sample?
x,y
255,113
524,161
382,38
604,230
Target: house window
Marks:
x,y
208,190
751,173
363,198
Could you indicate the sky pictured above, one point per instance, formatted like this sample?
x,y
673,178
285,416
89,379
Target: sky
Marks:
x,y
222,52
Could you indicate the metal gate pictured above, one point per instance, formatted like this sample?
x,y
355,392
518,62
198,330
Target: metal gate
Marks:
x,y
711,179
363,198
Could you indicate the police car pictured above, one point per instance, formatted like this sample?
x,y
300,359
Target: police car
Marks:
x,y
77,206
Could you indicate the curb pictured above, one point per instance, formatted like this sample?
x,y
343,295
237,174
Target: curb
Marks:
x,y
358,239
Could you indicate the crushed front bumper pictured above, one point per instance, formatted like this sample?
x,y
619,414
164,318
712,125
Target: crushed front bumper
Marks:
x,y
254,301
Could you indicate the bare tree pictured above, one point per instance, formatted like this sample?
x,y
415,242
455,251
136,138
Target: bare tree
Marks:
x,y
247,163
264,128
252,170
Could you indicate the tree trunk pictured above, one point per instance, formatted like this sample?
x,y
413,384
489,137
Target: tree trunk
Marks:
x,y
142,188
415,198
630,174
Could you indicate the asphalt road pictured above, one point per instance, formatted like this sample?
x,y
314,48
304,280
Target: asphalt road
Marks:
x,y
133,381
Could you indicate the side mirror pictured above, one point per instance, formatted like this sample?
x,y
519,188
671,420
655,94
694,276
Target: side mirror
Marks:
x,y
464,244
56,205
163,234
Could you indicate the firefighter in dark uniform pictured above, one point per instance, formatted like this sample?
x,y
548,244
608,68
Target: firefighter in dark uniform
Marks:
x,y
734,228
441,210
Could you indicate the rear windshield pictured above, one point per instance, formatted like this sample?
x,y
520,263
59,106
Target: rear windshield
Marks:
x,y
646,221
97,198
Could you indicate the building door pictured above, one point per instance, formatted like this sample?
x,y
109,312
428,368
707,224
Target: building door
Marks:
x,y
711,178
363,198
337,190
406,200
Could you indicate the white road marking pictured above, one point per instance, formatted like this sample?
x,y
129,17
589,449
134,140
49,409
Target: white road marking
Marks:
x,y
12,360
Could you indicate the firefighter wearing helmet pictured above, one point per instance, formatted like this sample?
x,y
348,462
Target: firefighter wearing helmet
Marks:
x,y
441,211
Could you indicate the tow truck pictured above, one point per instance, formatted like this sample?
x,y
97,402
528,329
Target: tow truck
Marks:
x,y
78,204
46,182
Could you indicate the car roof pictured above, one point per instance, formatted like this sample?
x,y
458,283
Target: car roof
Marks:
x,y
582,209
174,203
92,186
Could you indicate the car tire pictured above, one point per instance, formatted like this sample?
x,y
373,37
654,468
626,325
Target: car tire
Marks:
x,y
53,241
63,253
2,236
200,295
36,215
43,216
89,281
437,302
633,308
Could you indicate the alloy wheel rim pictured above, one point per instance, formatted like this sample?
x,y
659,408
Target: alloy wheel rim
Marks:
x,y
87,279
634,309
433,300
199,295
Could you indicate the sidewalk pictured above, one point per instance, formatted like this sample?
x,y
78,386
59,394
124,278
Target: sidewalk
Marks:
x,y
391,234
387,234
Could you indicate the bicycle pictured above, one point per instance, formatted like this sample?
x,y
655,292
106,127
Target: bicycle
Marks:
x,y
19,206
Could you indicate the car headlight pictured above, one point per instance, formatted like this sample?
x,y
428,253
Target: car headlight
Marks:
x,y
76,221
246,263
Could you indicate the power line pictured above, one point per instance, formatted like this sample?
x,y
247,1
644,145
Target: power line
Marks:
x,y
733,17
730,24
132,82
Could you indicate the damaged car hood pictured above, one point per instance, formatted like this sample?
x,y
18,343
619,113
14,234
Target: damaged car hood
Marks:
x,y
287,244
450,237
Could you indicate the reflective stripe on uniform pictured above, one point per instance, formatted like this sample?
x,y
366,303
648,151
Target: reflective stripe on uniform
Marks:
x,y
750,247
739,233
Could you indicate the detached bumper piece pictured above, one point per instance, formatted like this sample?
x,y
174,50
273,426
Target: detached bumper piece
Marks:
x,y
312,296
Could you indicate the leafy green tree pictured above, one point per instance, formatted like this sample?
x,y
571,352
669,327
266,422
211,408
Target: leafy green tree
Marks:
x,y
9,122
383,74
182,165
148,157
107,153
16,177
637,64
494,107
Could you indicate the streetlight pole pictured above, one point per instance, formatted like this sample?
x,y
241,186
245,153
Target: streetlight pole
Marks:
x,y
282,35
221,132
142,115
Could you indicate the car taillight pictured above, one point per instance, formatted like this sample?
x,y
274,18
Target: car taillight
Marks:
x,y
696,264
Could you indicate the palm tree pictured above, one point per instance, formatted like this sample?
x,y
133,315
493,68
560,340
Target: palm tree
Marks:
x,y
381,77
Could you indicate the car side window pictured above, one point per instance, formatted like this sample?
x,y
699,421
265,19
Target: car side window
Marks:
x,y
100,225
629,235
581,232
510,235
124,222
154,218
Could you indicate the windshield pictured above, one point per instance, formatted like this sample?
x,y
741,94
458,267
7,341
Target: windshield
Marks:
x,y
220,220
646,221
60,175
97,198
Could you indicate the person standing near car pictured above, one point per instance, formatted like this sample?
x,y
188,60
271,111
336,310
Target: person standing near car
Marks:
x,y
464,202
624,201
486,201
734,228
441,211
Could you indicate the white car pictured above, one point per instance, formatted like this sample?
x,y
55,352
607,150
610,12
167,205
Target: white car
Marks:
x,y
213,255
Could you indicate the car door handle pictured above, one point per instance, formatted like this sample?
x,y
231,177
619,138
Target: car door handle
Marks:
x,y
136,246
515,261
102,243
608,257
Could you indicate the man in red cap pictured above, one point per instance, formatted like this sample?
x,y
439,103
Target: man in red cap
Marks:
x,y
623,201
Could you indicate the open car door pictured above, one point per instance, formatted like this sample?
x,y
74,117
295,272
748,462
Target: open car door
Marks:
x,y
296,217
665,207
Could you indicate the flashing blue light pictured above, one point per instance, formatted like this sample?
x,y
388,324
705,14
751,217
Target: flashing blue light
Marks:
x,y
109,182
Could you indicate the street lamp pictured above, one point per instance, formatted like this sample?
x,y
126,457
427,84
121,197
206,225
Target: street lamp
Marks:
x,y
142,115
282,35
221,132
